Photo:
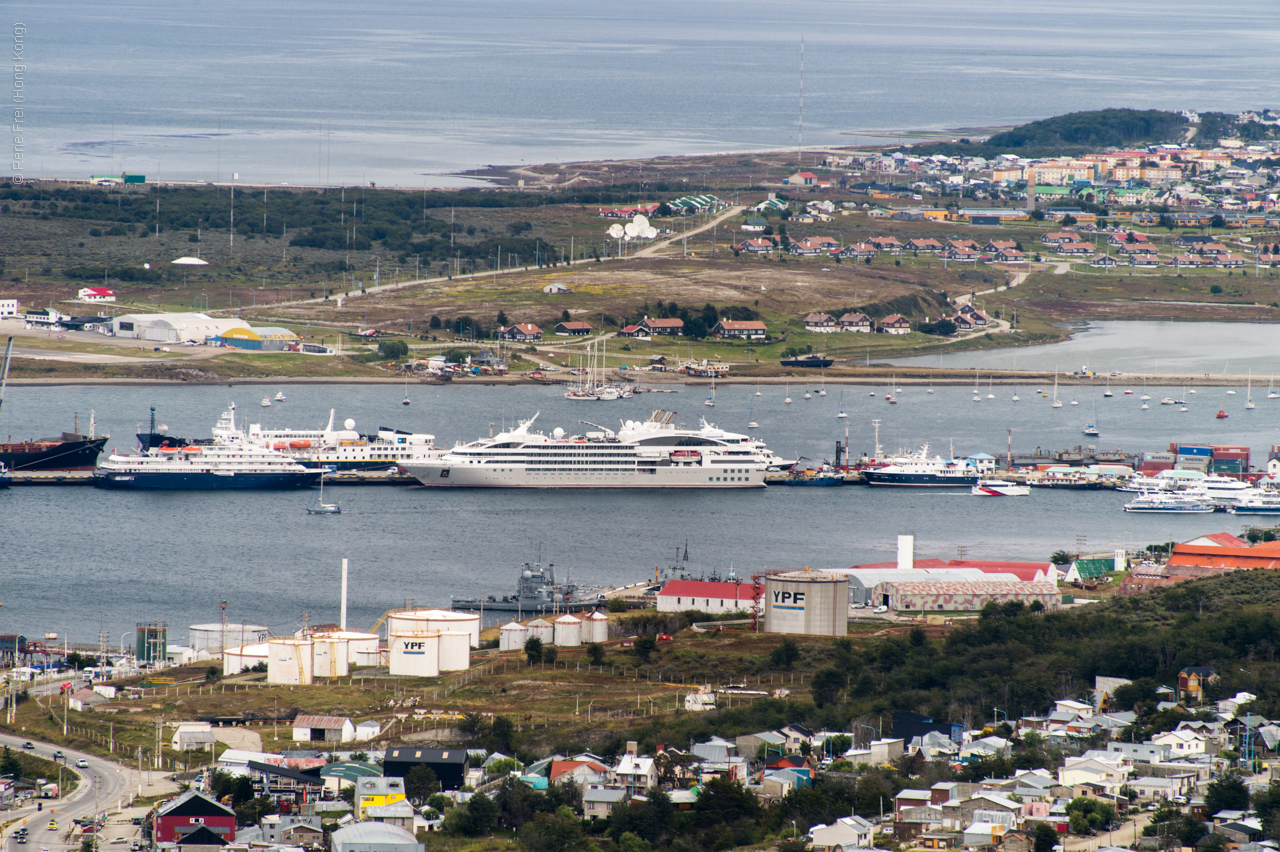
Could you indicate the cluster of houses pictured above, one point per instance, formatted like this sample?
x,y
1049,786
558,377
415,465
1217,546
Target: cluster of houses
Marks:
x,y
856,322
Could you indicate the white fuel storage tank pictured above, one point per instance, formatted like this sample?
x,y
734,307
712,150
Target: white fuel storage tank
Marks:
x,y
329,657
214,637
543,630
455,651
595,627
810,603
289,661
415,654
236,660
436,621
567,632
511,637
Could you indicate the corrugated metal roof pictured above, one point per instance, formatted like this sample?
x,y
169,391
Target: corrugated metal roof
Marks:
x,y
327,722
937,587
373,833
707,589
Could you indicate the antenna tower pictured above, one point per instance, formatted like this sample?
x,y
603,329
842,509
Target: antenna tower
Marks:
x,y
222,618
800,125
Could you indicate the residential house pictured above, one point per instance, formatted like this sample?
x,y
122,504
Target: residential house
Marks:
x,y
757,245
374,791
979,319
584,773
449,765
802,179
911,799
962,244
845,832
1070,705
631,331
1193,680
1010,256
85,699
323,729
755,225
95,294
1097,773
740,329
599,802
1181,743
994,246
749,744
636,774
889,244
292,830
925,245
961,255
1059,237
987,804
287,788
193,736
813,246
399,814
857,251
573,329
556,289
189,812
673,326
895,324
1075,248
1103,261
797,736
855,322
520,332
822,323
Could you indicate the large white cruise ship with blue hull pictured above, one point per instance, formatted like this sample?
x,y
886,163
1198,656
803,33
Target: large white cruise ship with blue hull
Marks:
x,y
230,463
656,453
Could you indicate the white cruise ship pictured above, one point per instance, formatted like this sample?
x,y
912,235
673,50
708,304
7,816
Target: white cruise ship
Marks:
x,y
346,449
654,453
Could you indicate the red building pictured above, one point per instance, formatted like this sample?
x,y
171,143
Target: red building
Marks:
x,y
190,812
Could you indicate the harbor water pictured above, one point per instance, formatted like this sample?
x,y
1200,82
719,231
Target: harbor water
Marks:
x,y
78,557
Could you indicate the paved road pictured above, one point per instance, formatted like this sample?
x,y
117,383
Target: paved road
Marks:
x,y
104,787
652,251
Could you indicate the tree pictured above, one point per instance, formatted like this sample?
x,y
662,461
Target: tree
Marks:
x,y
473,725
502,319
549,655
724,802
631,842
595,653
645,648
481,814
1046,838
1061,557
1217,221
1068,220
252,811
564,316
434,322
533,650
11,764
785,655
826,686
420,784
503,731
1226,794
503,766
561,832
393,349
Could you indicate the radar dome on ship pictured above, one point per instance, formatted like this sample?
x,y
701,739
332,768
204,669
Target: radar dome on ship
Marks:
x,y
557,433
348,424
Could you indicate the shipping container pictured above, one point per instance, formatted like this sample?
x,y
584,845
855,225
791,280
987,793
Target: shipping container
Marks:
x,y
1159,457
1229,449
1194,450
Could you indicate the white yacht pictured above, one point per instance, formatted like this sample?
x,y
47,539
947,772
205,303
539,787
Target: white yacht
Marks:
x,y
655,453
1181,503
1000,488
923,471
345,448
1256,502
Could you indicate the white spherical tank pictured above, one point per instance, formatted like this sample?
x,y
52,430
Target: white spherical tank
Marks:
x,y
567,632
415,654
511,637
436,621
596,627
330,657
455,652
236,660
810,603
542,630
289,661
214,637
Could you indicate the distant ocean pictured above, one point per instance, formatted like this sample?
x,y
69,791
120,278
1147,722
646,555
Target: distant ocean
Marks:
x,y
308,91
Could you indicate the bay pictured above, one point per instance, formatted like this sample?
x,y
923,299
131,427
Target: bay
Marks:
x,y
321,91
78,557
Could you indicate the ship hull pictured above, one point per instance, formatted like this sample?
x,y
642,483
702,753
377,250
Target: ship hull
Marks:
x,y
203,480
59,455
517,476
918,480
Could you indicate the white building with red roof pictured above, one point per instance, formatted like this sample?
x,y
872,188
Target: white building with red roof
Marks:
x,y
95,294
741,329
705,596
522,331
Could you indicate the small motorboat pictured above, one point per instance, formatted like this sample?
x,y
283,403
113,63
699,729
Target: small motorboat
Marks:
x,y
266,402
279,397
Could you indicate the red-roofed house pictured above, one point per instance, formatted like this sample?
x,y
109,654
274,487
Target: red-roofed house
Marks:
x,y
857,251
631,331
895,324
569,329
1010,256
802,179
523,331
1059,237
811,246
1222,539
757,245
663,326
890,244
1075,248
820,322
856,322
584,773
741,329
924,245
704,596
95,294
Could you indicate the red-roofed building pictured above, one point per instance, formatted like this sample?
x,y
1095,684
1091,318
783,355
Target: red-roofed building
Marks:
x,y
741,329
895,324
1222,539
631,331
584,773
663,326
802,179
1025,571
813,246
705,596
757,245
95,294
574,328
523,331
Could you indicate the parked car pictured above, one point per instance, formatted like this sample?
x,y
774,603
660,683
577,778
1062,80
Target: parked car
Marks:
x,y
82,764
28,744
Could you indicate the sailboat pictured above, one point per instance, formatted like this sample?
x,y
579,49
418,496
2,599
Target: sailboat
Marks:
x,y
976,392
787,399
711,400
757,389
822,390
751,420
990,390
1091,428
318,507
889,397
1248,392
406,388
1144,396
1057,403
1107,392
841,415
807,395
1015,391
930,390
1271,394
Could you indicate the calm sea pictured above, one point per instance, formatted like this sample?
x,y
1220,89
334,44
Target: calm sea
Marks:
x,y
76,556
307,91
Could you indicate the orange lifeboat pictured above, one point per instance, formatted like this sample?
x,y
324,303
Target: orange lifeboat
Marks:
x,y
191,449
299,445
171,449
279,445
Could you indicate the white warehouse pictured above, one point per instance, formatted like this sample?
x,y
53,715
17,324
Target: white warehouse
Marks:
x,y
172,328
